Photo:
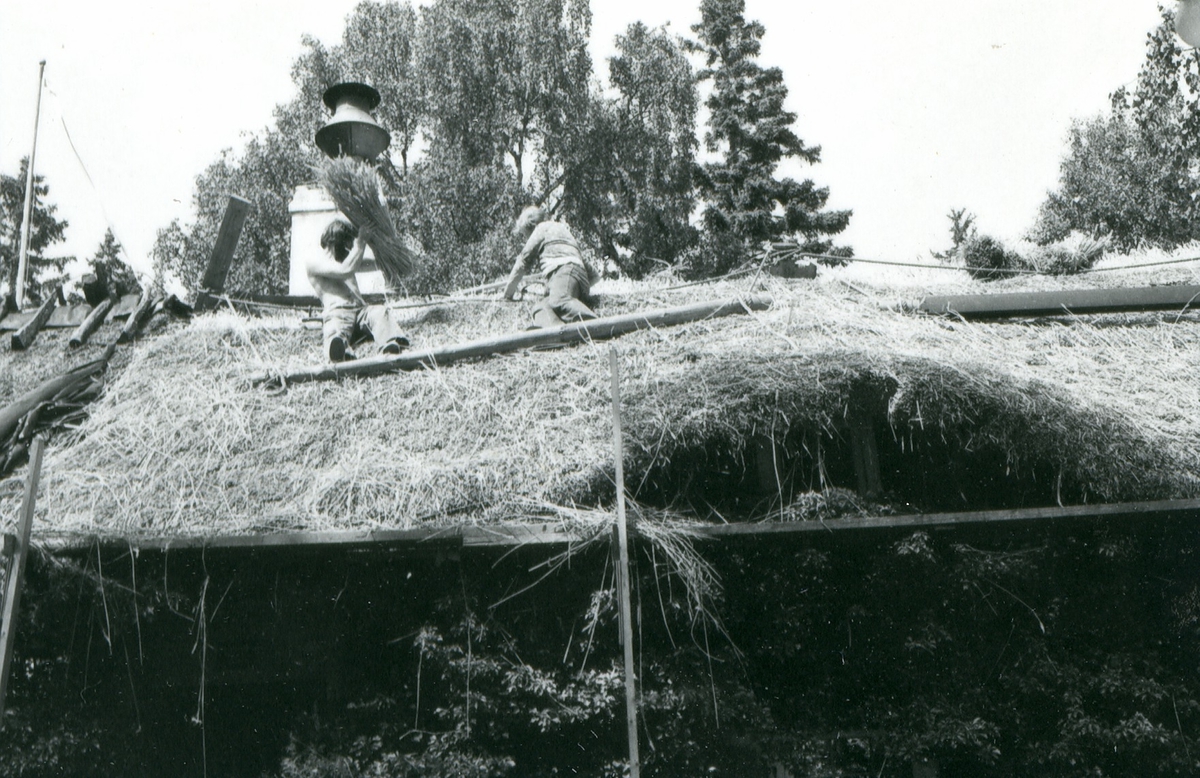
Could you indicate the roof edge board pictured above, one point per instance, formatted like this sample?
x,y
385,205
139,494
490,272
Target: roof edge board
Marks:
x,y
546,534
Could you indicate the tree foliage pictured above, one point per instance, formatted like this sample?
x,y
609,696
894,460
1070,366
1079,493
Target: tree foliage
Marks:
x,y
1131,176
493,105
111,271
752,132
46,229
266,173
627,185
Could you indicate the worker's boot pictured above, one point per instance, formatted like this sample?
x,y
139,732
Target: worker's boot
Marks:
x,y
338,352
395,345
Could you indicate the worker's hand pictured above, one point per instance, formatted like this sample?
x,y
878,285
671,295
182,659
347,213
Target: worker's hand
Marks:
x,y
512,290
365,234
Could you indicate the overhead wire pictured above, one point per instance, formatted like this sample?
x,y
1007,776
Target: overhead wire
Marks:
x,y
62,118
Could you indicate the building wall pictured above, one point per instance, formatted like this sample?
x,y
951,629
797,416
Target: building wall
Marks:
x,y
311,211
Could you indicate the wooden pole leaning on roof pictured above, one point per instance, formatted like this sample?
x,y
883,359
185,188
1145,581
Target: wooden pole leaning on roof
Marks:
x,y
137,318
24,337
16,570
12,414
92,323
624,604
595,329
221,258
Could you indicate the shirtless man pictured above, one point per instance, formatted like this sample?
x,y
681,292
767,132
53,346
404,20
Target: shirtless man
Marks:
x,y
551,244
346,316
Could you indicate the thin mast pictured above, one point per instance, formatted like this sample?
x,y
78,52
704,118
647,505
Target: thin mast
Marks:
x,y
27,217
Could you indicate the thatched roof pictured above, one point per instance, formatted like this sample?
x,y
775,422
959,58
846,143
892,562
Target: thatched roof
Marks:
x,y
967,415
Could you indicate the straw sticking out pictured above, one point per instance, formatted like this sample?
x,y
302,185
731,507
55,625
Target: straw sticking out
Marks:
x,y
354,187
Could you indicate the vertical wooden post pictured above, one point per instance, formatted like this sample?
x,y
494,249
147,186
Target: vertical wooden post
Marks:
x,y
27,215
222,253
16,572
623,572
866,457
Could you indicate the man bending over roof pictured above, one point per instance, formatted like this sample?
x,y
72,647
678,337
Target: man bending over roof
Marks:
x,y
567,279
346,316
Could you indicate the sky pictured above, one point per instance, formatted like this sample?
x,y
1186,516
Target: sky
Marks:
x,y
919,108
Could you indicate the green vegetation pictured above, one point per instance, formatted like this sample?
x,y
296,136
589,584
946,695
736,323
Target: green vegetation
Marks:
x,y
1066,651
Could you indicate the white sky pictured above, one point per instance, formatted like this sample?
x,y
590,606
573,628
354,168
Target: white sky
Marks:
x,y
919,107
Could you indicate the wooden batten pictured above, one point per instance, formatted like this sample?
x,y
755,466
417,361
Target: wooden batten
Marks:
x,y
136,319
554,534
24,337
1062,302
91,323
213,283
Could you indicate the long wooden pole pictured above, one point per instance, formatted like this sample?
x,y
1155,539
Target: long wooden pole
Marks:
x,y
91,323
595,329
625,605
16,572
27,216
24,337
1065,301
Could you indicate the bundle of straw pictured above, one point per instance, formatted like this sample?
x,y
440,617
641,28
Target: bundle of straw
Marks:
x,y
354,187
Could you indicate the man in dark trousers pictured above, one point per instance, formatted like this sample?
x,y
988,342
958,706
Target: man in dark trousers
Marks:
x,y
346,316
568,282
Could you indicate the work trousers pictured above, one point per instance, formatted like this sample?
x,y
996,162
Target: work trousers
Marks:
x,y
566,289
358,322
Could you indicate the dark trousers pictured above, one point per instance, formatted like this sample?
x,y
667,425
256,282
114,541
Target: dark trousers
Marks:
x,y
566,289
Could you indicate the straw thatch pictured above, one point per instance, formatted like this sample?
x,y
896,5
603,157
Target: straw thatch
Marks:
x,y
997,414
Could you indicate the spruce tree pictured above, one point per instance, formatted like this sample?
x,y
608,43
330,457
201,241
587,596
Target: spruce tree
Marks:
x,y
750,128
46,229
112,272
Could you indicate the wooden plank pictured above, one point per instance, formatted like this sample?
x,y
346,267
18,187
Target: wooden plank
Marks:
x,y
135,320
595,329
61,318
24,337
517,535
91,323
541,533
221,258
249,299
1189,509
125,306
475,536
12,589
866,458
1077,301
624,601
